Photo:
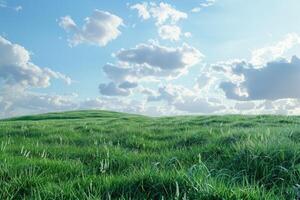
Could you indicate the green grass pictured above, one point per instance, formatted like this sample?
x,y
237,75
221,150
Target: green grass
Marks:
x,y
109,155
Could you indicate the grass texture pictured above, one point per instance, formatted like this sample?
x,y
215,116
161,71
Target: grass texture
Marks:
x,y
109,155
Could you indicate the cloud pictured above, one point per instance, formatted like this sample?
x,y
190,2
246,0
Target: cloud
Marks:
x,y
162,59
188,101
199,105
118,74
169,32
165,16
98,29
282,106
266,54
205,4
244,106
276,80
18,8
187,34
18,75
67,24
147,62
128,85
168,93
162,12
16,69
22,102
111,89
142,9
3,4
115,104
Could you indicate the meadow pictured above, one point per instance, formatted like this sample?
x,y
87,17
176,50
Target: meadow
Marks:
x,y
110,155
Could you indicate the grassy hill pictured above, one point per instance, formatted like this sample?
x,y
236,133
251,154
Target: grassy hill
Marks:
x,y
109,155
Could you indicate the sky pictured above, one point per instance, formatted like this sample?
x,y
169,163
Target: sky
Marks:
x,y
153,58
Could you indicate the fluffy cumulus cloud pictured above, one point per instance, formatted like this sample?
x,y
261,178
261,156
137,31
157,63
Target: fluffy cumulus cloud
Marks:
x,y
98,29
127,105
205,4
142,9
111,89
169,32
185,100
162,13
276,80
26,102
200,105
164,60
147,62
19,74
16,69
270,53
165,16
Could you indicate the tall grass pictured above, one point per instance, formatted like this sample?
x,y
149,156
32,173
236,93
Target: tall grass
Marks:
x,y
108,155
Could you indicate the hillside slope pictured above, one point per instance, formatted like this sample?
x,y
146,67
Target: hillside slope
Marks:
x,y
109,155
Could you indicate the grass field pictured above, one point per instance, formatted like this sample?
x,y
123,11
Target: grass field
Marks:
x,y
108,155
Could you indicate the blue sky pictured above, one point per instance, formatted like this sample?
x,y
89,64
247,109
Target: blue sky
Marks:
x,y
150,57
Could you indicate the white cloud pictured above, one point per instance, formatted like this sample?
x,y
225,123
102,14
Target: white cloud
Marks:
x,y
98,29
3,4
19,74
205,4
153,60
164,59
199,105
162,12
187,34
270,53
169,32
165,16
120,105
128,85
16,68
68,24
147,62
275,80
24,102
111,89
18,8
244,106
142,9
185,100
169,93
196,9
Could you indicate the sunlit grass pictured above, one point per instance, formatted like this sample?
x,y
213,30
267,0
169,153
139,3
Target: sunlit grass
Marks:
x,y
108,155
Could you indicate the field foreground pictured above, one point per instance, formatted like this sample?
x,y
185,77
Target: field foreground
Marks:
x,y
108,155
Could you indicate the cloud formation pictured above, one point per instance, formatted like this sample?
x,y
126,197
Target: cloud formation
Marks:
x,y
169,32
162,13
4,4
112,89
98,29
205,4
19,74
186,100
160,58
16,69
276,80
266,54
165,16
26,102
149,61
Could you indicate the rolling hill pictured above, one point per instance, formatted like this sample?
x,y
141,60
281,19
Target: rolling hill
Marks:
x,y
110,155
